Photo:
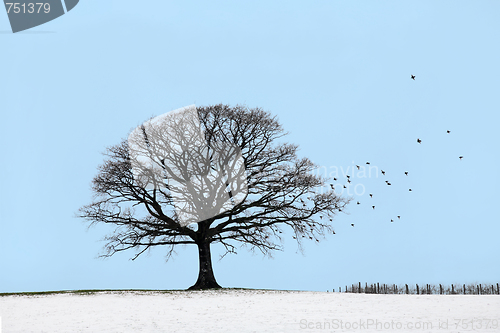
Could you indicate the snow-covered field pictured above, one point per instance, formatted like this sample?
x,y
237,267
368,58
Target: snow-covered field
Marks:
x,y
248,311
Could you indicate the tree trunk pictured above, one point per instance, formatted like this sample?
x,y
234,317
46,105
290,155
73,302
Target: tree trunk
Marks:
x,y
206,278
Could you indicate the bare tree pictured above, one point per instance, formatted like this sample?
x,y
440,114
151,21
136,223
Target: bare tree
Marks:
x,y
280,191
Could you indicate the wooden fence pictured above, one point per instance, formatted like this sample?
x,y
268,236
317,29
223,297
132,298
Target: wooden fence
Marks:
x,y
423,289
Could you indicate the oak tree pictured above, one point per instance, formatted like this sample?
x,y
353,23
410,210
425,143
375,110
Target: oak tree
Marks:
x,y
282,195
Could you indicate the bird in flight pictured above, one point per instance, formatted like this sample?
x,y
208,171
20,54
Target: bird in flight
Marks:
x,y
409,189
331,185
348,180
348,176
388,182
373,207
406,173
392,220
460,157
419,141
413,77
448,132
367,162
399,217
358,203
335,179
383,172
352,224
357,166
371,195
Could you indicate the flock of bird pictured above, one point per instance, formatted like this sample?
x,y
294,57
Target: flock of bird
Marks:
x,y
371,194
419,141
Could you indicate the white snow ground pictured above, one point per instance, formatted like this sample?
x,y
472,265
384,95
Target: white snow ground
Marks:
x,y
248,311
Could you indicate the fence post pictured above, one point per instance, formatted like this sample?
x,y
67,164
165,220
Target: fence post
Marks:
x,y
464,289
417,290
498,290
359,287
452,289
378,288
395,289
407,289
366,287
440,289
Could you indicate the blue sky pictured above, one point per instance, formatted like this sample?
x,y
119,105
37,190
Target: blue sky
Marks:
x,y
336,73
